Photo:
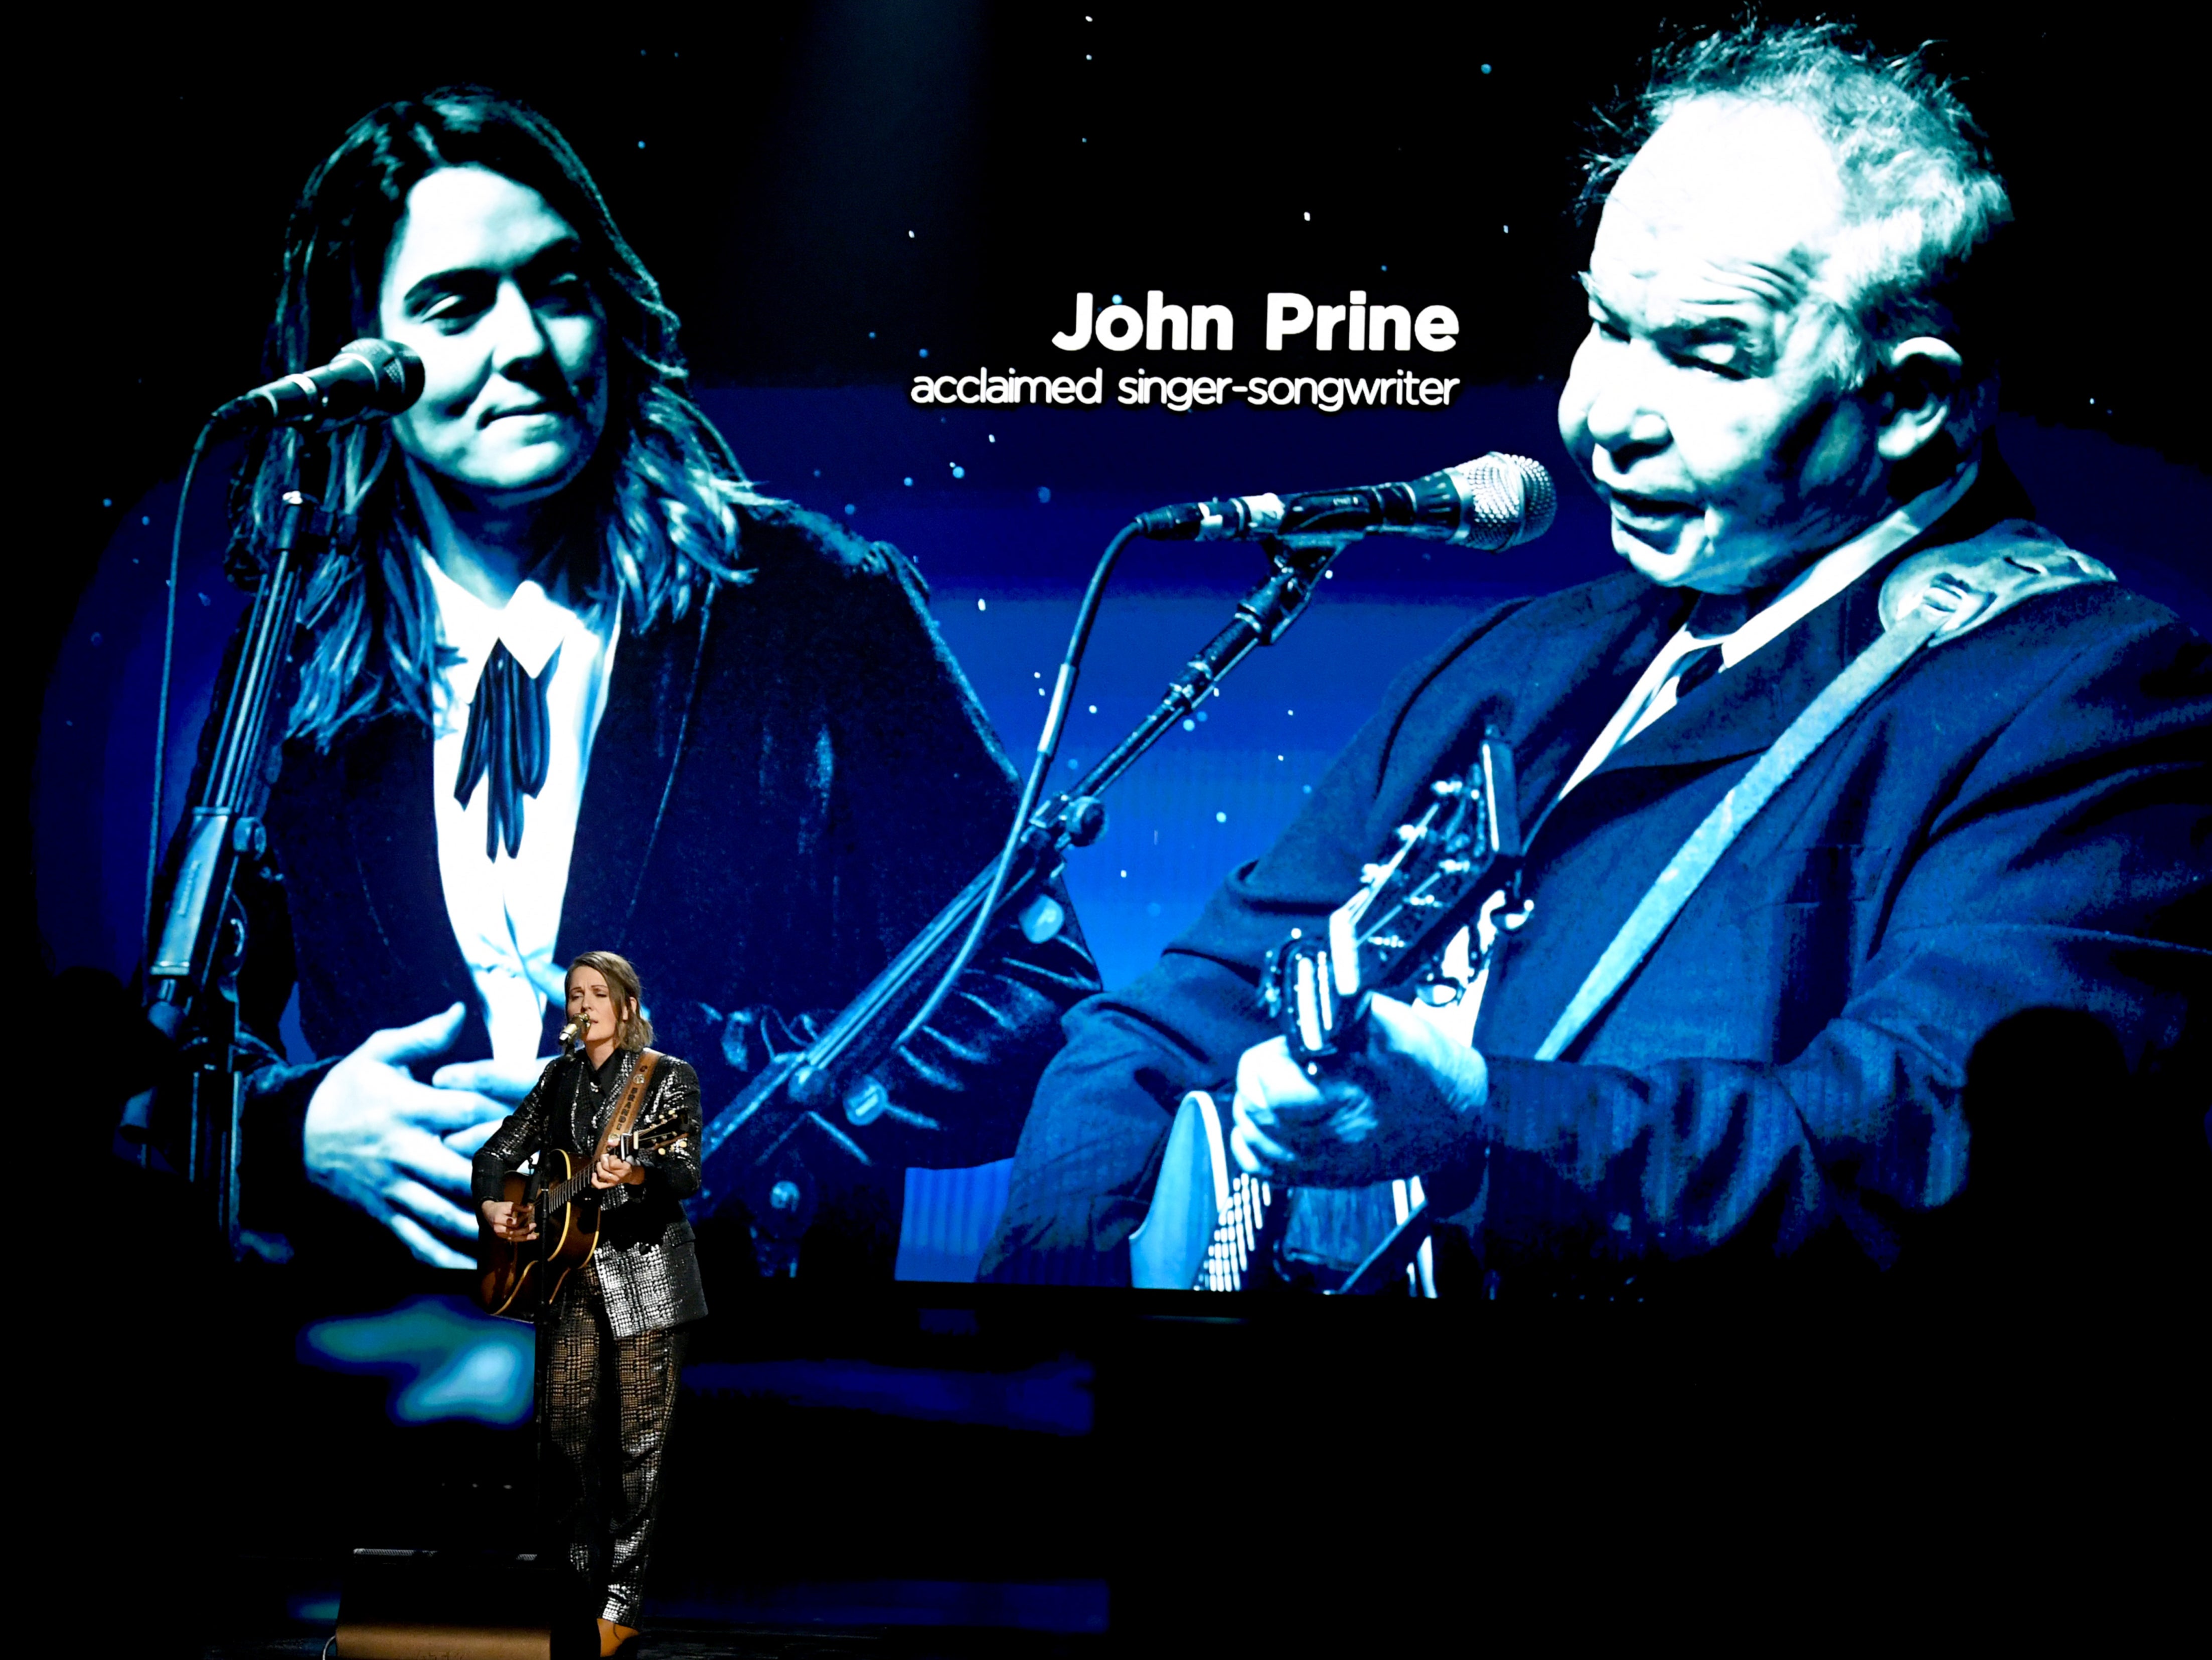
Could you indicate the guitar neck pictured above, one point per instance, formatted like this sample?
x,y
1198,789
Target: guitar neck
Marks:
x,y
555,1198
623,1147
569,1191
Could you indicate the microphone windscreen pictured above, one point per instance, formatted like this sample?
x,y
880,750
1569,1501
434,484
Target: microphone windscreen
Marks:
x,y
1510,500
396,369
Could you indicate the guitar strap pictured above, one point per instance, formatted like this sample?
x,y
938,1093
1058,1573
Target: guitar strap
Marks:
x,y
632,1099
1937,595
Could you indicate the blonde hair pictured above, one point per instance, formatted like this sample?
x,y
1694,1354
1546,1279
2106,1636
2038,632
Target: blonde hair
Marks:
x,y
635,1031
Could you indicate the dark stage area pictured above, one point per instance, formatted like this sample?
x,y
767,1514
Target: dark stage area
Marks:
x,y
964,1471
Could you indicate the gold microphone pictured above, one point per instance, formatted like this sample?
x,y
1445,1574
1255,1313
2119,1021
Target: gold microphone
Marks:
x,y
577,1025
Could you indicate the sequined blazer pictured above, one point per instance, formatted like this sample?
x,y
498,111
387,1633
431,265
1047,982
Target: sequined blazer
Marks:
x,y
647,1263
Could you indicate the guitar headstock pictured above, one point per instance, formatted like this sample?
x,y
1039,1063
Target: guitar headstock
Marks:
x,y
1393,930
667,1131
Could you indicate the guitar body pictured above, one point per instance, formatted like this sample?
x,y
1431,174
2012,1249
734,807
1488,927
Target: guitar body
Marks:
x,y
516,1280
1213,1227
1207,1217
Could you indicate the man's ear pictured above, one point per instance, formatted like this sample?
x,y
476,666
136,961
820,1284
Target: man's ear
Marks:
x,y
1922,382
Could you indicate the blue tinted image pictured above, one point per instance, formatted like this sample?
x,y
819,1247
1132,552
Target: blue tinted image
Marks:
x,y
516,847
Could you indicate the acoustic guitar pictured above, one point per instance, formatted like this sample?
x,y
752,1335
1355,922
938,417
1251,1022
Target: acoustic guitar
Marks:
x,y
515,1277
1212,1226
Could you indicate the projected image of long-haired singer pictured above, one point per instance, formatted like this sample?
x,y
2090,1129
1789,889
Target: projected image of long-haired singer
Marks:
x,y
575,682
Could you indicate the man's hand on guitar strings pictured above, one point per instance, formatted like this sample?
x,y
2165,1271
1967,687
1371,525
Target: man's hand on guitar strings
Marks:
x,y
1400,1105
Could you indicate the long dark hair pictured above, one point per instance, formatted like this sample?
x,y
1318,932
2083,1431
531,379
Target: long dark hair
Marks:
x,y
664,488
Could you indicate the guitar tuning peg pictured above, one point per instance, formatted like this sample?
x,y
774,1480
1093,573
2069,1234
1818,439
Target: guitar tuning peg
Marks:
x,y
1369,874
1449,787
1409,832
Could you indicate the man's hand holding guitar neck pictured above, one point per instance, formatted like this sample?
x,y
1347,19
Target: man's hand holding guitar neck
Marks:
x,y
1404,1101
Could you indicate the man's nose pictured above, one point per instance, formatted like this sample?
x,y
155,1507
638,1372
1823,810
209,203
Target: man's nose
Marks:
x,y
1622,417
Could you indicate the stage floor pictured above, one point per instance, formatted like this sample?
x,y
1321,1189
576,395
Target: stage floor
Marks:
x,y
770,1643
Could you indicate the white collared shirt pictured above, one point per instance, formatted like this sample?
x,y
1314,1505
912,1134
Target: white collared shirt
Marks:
x,y
1654,693
506,911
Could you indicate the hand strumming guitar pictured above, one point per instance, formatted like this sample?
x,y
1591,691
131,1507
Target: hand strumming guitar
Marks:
x,y
611,1172
513,1223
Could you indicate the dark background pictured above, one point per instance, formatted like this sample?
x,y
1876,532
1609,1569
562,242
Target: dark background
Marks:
x,y
769,161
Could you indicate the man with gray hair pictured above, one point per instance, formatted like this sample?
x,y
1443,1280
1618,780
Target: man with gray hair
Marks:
x,y
1857,807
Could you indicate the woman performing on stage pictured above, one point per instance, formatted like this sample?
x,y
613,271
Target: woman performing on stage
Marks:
x,y
610,1341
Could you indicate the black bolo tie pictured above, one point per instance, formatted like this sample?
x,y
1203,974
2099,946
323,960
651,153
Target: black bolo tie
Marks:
x,y
508,742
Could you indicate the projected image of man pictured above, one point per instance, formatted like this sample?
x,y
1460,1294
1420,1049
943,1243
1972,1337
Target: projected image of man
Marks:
x,y
1784,401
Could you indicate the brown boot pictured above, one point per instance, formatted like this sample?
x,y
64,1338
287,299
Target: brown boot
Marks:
x,y
613,1637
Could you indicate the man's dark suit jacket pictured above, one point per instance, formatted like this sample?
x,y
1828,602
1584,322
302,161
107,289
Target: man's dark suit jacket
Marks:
x,y
2013,825
785,785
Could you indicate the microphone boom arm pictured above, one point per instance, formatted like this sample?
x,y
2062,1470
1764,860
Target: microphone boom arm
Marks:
x,y
748,1146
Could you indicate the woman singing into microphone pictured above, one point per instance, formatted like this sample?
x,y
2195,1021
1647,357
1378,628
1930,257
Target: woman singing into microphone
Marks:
x,y
611,1343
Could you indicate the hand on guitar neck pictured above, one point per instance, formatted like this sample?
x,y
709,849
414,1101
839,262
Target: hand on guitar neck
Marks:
x,y
1361,1090
1400,1100
611,1172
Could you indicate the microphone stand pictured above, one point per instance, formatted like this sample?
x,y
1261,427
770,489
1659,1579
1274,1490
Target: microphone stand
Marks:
x,y
192,973
757,1147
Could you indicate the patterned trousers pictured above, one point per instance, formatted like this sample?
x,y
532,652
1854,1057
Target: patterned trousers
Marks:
x,y
604,1404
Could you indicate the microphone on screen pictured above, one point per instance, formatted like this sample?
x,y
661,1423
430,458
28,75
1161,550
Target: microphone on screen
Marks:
x,y
1493,502
367,380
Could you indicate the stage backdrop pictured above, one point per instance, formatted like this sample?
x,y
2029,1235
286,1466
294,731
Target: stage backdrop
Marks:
x,y
943,273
